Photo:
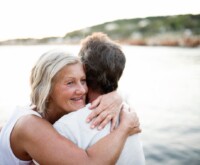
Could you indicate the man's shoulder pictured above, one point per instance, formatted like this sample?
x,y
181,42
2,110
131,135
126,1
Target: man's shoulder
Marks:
x,y
80,114
74,125
85,110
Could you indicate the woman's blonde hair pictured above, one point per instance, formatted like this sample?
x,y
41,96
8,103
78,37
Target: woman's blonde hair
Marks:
x,y
45,69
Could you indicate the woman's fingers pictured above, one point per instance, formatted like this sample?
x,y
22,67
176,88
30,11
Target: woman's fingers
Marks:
x,y
105,108
94,113
130,121
99,119
96,102
96,106
105,122
136,130
114,123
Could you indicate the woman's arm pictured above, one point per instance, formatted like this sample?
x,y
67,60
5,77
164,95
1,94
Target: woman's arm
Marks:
x,y
38,139
117,138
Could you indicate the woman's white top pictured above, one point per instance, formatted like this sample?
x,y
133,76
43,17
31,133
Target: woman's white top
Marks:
x,y
7,156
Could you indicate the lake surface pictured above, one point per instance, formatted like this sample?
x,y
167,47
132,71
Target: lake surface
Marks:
x,y
161,83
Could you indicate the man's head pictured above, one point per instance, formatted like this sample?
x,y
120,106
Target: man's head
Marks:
x,y
104,62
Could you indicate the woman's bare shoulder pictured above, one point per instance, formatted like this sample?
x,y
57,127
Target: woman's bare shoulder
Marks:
x,y
32,125
34,136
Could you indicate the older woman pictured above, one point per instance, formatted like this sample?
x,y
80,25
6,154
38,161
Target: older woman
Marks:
x,y
58,87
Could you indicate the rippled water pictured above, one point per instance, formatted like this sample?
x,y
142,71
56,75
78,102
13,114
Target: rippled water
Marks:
x,y
162,83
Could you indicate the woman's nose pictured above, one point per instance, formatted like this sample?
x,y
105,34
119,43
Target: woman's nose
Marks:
x,y
81,89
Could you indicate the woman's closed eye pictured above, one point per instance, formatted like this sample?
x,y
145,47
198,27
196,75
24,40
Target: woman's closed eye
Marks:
x,y
70,83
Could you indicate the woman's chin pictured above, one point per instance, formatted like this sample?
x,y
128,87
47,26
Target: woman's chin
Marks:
x,y
79,106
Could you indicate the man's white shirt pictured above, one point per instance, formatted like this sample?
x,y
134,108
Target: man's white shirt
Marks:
x,y
74,127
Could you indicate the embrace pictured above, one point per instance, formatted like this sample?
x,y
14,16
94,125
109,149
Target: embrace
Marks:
x,y
76,115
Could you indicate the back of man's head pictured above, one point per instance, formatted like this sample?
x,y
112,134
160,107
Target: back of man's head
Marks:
x,y
104,62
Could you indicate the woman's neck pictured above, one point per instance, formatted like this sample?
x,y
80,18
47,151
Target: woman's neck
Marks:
x,y
52,115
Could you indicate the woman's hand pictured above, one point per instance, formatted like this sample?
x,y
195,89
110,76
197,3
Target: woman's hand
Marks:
x,y
129,121
106,108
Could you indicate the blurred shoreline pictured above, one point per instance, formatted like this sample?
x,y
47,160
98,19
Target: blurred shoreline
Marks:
x,y
156,41
176,31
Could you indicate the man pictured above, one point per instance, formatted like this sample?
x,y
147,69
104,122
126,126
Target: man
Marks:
x,y
104,63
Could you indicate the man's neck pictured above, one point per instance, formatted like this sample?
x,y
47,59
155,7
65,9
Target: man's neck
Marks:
x,y
92,95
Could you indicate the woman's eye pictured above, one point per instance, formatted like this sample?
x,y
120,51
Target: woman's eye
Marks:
x,y
70,83
83,81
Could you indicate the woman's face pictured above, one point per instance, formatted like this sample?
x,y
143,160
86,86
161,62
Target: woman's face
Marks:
x,y
69,89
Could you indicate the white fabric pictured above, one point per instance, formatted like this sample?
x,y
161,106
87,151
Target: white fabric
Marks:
x,y
7,157
74,127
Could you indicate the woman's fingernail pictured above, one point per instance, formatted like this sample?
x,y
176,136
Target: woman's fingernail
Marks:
x,y
99,128
92,126
87,120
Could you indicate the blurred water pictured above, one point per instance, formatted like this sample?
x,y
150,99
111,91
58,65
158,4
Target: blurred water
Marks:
x,y
162,83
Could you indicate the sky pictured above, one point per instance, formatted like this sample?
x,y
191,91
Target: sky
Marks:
x,y
46,18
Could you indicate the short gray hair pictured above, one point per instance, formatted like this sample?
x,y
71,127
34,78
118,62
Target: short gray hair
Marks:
x,y
104,62
45,69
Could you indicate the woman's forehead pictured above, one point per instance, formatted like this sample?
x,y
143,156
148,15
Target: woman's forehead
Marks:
x,y
71,71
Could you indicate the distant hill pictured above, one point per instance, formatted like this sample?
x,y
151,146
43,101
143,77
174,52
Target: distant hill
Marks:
x,y
178,30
